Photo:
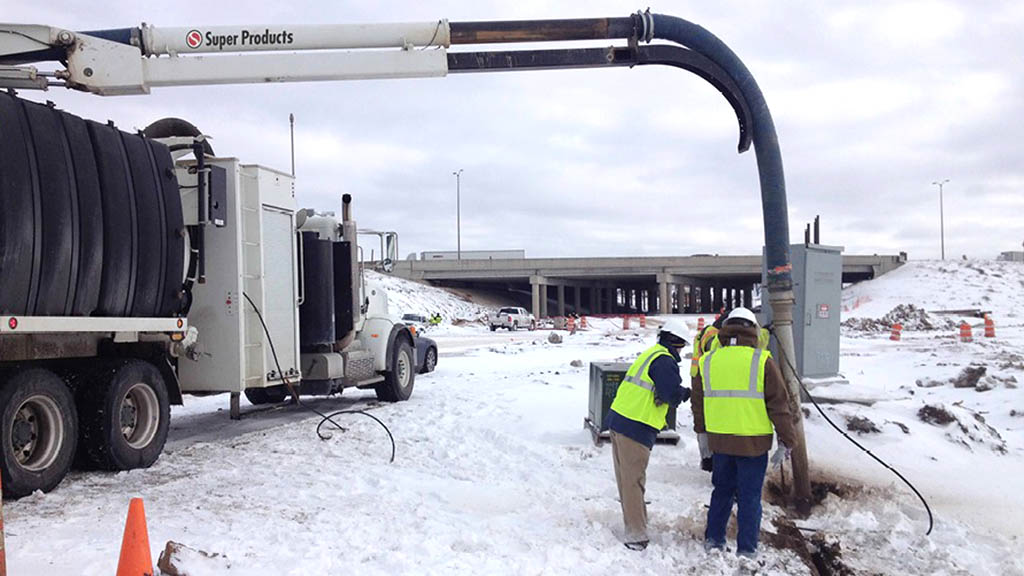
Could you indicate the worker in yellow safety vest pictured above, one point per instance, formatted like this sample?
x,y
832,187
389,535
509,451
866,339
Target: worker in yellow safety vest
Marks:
x,y
705,342
740,401
652,384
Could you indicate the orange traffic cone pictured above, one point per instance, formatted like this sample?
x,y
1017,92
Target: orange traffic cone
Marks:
x,y
897,330
700,324
643,321
625,322
965,332
583,321
136,559
990,327
571,324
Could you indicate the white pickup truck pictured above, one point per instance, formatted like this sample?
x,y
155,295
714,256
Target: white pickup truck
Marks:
x,y
512,318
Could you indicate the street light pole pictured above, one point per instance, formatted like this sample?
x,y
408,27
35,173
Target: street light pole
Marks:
x,y
942,224
458,212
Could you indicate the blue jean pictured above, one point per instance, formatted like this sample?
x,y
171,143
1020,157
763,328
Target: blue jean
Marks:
x,y
736,478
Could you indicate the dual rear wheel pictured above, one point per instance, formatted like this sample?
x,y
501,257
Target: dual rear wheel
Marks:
x,y
117,418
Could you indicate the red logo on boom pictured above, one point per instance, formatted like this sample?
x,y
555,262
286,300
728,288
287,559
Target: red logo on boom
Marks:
x,y
194,39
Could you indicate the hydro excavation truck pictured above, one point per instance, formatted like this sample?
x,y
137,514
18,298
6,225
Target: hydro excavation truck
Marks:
x,y
139,267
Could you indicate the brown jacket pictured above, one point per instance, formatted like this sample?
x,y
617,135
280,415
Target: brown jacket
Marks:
x,y
776,399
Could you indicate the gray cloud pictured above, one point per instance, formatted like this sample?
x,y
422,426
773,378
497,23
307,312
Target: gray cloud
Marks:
x,y
872,103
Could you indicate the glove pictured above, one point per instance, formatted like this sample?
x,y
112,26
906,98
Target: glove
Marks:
x,y
706,465
686,394
702,443
782,453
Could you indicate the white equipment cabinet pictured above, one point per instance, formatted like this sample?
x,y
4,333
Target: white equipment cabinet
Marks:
x,y
252,255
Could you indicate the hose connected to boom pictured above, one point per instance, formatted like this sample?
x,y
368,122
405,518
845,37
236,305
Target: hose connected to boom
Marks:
x,y
931,521
325,418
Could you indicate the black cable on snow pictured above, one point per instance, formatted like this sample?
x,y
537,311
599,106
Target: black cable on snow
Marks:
x,y
295,393
931,521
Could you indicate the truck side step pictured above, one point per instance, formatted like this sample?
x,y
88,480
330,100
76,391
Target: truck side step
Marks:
x,y
358,367
371,382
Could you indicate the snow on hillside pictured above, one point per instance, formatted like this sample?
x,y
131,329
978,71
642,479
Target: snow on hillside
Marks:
x,y
941,285
406,297
946,413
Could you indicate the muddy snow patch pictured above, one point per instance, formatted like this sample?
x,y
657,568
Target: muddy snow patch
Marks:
x,y
861,425
963,426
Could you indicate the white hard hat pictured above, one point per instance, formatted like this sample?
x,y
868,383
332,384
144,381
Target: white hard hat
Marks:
x,y
741,313
677,328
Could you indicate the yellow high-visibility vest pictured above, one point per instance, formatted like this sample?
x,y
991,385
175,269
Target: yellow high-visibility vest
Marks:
x,y
701,346
708,342
635,397
732,379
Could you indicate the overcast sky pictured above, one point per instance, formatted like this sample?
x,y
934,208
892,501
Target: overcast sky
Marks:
x,y
872,102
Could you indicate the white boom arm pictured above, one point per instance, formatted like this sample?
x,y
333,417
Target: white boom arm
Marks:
x,y
164,56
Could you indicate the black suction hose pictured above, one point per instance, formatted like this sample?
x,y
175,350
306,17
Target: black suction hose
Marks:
x,y
931,520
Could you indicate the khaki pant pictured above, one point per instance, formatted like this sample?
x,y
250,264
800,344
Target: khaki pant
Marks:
x,y
630,459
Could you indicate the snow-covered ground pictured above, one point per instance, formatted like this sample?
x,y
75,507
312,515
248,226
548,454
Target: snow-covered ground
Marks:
x,y
495,474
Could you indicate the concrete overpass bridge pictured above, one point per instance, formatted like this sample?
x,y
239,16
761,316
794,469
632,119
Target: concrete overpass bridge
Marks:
x,y
682,284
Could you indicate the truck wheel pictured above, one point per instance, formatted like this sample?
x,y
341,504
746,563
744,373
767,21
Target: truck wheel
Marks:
x,y
533,325
515,327
268,395
429,361
398,383
125,416
493,327
39,434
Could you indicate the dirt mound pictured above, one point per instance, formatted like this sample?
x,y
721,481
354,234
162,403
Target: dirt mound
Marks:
x,y
909,316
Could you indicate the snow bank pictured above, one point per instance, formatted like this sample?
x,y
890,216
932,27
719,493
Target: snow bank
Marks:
x,y
941,285
408,297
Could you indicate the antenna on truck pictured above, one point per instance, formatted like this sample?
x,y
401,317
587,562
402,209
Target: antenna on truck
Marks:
x,y
291,127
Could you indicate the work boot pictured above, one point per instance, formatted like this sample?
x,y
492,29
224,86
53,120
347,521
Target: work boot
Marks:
x,y
710,545
752,554
639,545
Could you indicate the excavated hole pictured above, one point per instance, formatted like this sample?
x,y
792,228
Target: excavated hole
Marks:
x,y
821,553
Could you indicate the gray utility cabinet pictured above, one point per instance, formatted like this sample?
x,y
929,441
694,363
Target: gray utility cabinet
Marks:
x,y
817,287
605,378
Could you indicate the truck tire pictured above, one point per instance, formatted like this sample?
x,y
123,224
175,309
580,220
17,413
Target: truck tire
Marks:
x,y
493,327
398,382
533,325
39,431
268,395
125,415
429,360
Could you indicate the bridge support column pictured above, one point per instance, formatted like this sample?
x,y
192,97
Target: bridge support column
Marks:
x,y
540,296
716,298
592,294
560,290
665,305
